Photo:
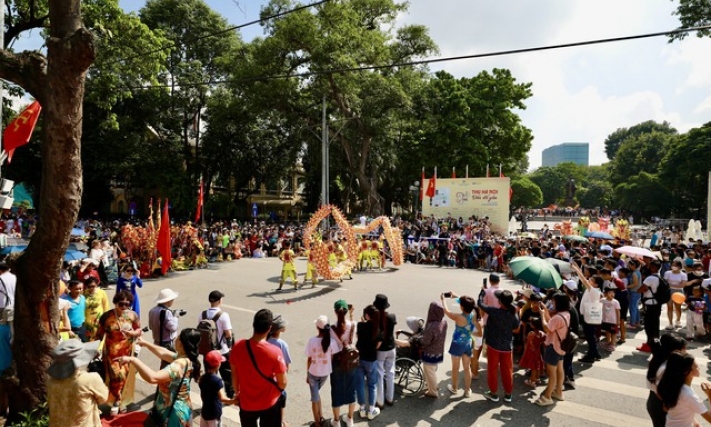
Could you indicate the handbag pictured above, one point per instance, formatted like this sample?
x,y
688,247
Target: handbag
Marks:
x,y
591,309
348,358
281,402
154,418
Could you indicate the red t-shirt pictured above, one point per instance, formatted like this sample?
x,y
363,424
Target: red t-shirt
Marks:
x,y
83,275
255,392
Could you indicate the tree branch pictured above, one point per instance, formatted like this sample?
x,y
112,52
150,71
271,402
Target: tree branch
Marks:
x,y
26,69
13,31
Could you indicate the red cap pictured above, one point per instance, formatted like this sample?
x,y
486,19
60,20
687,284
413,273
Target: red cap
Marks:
x,y
213,359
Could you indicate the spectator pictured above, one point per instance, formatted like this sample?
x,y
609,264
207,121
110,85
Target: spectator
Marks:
x,y
343,382
224,332
386,352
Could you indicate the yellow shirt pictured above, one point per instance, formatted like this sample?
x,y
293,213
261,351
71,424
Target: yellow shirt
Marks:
x,y
75,401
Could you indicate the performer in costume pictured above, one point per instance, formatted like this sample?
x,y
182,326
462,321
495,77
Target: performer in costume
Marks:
x,y
375,255
311,273
342,256
288,270
364,254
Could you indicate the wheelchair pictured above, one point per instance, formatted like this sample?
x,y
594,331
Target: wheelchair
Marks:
x,y
409,377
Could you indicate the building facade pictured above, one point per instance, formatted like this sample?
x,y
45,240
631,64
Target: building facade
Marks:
x,y
576,152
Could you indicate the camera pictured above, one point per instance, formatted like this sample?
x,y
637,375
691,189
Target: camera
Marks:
x,y
180,313
447,295
485,279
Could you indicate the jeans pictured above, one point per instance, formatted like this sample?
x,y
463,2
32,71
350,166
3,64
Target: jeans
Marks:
x,y
635,298
651,321
367,376
270,417
591,338
386,376
499,361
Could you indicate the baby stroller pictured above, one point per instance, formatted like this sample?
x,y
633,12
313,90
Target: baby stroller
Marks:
x,y
409,378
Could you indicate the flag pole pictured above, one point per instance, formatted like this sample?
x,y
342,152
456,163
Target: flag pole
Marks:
x,y
467,172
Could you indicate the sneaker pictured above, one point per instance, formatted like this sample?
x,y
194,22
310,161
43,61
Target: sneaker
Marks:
x,y
677,325
346,420
467,394
452,390
115,409
335,423
570,383
507,398
373,413
491,396
669,327
644,348
362,412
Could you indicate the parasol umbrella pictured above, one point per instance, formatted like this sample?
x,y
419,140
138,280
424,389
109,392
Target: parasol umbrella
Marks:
x,y
7,250
73,255
563,267
599,235
576,238
78,232
535,271
527,235
635,252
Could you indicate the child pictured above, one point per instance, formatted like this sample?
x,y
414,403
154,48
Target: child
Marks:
x,y
279,326
610,319
695,313
212,391
319,351
532,357
287,269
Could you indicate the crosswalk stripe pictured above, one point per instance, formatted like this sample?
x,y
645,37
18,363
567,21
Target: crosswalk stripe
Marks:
x,y
601,416
617,366
610,387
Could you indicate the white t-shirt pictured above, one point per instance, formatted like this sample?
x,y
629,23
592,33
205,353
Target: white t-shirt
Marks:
x,y
660,374
590,296
652,283
688,405
320,361
609,310
223,324
675,279
10,281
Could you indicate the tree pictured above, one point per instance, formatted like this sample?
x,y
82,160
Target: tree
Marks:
x,y
615,140
644,194
693,13
639,153
684,171
57,82
526,193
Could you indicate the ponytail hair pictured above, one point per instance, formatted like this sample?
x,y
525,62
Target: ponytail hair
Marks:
x,y
325,334
190,339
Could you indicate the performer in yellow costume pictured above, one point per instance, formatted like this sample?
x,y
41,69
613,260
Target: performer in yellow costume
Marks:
x,y
375,255
288,270
311,273
341,256
364,254
332,259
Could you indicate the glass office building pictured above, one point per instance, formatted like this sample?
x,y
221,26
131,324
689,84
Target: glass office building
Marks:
x,y
576,152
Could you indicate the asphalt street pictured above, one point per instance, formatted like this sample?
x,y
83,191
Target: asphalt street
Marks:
x,y
611,392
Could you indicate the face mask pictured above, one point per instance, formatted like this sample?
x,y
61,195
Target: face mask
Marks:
x,y
698,273
675,268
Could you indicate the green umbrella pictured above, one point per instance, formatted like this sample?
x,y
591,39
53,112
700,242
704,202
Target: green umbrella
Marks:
x,y
576,238
535,271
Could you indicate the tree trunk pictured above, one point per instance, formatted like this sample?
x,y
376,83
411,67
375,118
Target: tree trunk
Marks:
x,y
70,51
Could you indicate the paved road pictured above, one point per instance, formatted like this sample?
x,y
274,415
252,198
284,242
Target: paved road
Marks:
x,y
610,393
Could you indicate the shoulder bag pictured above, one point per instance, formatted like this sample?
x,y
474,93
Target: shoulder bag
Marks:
x,y
282,397
155,419
348,358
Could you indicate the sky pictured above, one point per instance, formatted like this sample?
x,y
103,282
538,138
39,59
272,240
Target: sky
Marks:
x,y
580,94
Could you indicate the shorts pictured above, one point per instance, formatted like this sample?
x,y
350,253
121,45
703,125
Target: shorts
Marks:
x,y
609,327
457,349
550,356
315,384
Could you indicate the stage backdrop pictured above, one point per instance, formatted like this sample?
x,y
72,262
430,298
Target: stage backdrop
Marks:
x,y
471,196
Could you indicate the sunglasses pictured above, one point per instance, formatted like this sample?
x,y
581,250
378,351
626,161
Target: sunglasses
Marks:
x,y
124,304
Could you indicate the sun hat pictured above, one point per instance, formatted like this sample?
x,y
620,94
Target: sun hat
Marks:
x,y
71,355
321,322
213,358
166,295
381,302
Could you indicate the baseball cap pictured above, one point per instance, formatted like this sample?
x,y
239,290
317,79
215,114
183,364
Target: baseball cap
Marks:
x,y
321,322
570,284
213,358
215,296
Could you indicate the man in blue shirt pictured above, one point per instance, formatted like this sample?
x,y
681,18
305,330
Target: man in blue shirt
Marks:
x,y
77,308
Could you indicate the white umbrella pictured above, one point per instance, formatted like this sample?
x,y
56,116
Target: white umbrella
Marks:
x,y
635,252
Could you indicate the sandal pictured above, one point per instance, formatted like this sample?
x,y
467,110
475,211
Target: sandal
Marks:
x,y
557,396
531,383
542,401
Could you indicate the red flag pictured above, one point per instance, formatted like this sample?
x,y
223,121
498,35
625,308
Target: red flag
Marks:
x,y
19,131
163,244
422,186
198,212
501,175
431,187
454,173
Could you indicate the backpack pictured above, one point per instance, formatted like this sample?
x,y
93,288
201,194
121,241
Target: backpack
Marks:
x,y
663,294
209,340
570,342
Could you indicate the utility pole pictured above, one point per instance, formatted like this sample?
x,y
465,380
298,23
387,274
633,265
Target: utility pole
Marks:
x,y
324,160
